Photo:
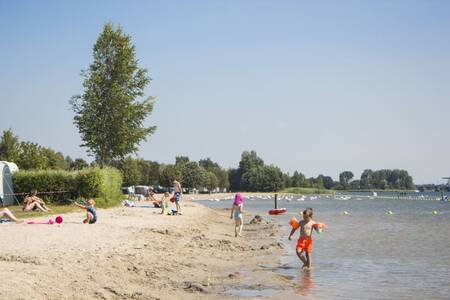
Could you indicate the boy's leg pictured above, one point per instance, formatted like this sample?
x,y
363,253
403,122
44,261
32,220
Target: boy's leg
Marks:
x,y
89,217
86,221
308,259
299,254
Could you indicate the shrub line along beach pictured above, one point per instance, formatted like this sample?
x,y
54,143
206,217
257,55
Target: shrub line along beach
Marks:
x,y
136,253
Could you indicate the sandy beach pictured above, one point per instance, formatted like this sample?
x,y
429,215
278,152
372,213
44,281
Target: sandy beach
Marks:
x,y
136,253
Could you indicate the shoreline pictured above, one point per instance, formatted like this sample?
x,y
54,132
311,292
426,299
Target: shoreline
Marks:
x,y
136,253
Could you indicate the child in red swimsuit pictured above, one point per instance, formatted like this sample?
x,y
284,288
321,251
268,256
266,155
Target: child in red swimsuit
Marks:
x,y
305,243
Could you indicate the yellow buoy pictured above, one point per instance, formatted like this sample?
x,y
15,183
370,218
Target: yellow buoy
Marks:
x,y
345,212
389,212
435,212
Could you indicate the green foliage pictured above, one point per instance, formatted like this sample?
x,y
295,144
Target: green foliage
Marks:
x,y
102,184
213,182
167,174
345,177
78,164
9,146
55,160
219,172
298,180
252,175
130,170
31,156
149,172
386,179
108,115
272,179
193,176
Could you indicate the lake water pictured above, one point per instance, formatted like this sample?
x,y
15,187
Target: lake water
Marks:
x,y
366,254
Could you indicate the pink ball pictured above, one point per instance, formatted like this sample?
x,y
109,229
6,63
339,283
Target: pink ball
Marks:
x,y
59,219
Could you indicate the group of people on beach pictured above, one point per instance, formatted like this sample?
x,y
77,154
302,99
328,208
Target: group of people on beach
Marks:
x,y
32,202
306,225
304,244
167,197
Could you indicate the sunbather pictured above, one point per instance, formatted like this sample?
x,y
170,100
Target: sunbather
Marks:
x,y
33,202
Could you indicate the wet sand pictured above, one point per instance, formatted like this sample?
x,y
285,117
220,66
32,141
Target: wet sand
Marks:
x,y
136,253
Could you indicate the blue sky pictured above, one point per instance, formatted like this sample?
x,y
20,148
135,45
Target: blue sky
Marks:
x,y
315,86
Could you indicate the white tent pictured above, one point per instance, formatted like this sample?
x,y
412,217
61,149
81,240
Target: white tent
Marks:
x,y
6,186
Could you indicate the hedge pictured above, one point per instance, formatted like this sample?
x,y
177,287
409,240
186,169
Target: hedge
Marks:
x,y
102,184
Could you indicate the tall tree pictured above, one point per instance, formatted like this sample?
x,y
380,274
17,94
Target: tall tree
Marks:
x,y
9,146
345,177
78,164
31,156
193,176
108,115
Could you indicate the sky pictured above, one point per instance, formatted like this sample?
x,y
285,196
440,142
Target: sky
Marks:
x,y
315,86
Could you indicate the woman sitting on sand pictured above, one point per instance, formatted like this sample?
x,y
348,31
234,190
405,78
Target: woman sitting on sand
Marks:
x,y
6,212
151,198
33,202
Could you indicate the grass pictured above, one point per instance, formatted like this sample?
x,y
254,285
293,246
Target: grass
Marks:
x,y
307,191
56,210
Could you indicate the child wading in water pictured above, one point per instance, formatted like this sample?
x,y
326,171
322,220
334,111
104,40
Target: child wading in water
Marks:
x,y
91,214
305,243
236,211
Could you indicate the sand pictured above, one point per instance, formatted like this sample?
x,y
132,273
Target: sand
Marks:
x,y
136,253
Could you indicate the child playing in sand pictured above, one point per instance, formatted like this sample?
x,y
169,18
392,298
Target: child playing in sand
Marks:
x,y
236,211
164,203
305,243
91,214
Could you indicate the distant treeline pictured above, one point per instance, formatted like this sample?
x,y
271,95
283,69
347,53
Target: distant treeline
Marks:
x,y
433,187
252,174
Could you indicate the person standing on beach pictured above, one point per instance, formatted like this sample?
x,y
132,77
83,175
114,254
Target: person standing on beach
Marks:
x,y
178,193
236,211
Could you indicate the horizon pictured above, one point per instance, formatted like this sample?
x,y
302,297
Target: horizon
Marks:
x,y
320,88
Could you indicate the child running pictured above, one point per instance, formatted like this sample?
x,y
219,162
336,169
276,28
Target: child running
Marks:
x,y
91,214
305,243
236,211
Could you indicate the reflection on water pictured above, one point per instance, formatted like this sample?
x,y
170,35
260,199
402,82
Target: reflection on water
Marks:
x,y
305,282
368,254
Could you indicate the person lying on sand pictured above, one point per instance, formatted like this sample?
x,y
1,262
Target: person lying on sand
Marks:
x,y
91,214
6,212
33,202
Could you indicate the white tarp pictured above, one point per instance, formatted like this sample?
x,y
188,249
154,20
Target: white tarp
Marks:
x,y
6,186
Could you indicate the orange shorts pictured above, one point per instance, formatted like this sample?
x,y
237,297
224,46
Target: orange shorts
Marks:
x,y
305,244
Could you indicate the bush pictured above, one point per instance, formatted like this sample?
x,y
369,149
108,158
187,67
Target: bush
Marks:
x,y
102,184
